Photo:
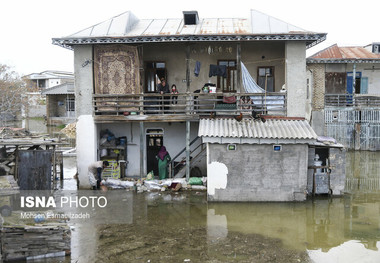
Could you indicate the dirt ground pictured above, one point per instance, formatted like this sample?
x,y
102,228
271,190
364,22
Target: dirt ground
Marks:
x,y
122,243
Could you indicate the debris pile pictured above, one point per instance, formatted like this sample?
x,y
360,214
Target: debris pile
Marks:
x,y
9,132
70,130
148,185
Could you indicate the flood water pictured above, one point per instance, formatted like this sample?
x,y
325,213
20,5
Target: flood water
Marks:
x,y
184,227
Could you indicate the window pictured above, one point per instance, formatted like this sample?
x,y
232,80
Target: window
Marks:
x,y
70,104
154,72
266,78
229,83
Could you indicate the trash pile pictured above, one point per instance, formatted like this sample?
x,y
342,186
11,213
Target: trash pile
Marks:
x,y
148,185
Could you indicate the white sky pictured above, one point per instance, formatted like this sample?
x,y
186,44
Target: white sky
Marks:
x,y
27,26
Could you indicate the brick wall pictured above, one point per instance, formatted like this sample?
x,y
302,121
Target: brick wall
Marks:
x,y
318,102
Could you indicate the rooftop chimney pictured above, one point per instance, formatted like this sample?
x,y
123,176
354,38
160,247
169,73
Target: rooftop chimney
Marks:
x,y
190,17
376,48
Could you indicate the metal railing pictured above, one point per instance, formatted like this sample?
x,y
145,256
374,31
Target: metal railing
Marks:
x,y
177,163
188,103
352,100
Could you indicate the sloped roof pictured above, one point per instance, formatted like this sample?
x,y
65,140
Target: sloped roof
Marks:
x,y
50,74
65,88
127,28
335,54
251,131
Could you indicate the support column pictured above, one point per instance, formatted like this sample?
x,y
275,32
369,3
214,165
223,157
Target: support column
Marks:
x,y
187,68
238,68
141,149
187,150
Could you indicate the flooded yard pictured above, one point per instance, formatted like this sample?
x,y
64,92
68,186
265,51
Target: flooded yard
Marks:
x,y
183,227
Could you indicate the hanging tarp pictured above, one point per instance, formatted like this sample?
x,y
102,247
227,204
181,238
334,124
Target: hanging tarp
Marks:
x,y
250,86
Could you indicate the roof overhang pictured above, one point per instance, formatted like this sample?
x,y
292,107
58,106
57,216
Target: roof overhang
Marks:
x,y
311,39
227,140
340,61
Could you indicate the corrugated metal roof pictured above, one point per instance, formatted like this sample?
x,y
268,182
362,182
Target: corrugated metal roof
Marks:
x,y
335,52
65,88
128,28
249,128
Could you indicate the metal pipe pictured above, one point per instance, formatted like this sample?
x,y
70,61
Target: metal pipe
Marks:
x,y
187,150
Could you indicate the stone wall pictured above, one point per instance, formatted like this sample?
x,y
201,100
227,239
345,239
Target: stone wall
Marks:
x,y
22,242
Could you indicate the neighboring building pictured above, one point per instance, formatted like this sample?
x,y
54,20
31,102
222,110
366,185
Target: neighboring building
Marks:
x,y
344,107
60,88
119,64
60,104
47,79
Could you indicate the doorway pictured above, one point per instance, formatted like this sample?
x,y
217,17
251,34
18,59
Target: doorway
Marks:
x,y
154,141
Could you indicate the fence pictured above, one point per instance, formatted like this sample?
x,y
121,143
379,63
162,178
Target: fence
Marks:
x,y
354,127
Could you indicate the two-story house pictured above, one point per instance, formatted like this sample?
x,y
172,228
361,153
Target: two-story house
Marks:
x,y
240,116
50,94
346,107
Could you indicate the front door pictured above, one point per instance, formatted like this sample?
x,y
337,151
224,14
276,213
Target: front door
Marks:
x,y
154,141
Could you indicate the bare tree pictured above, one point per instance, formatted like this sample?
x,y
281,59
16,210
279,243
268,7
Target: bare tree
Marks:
x,y
12,89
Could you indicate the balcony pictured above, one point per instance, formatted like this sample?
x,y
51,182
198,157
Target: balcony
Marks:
x,y
186,106
350,100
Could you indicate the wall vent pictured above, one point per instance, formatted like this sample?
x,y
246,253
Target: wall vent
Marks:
x,y
190,17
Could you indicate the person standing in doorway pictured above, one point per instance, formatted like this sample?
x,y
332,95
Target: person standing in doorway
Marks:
x,y
163,158
95,173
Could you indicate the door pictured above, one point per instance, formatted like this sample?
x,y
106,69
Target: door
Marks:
x,y
357,82
154,141
364,85
350,89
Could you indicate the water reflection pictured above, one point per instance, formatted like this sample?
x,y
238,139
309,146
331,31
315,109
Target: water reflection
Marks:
x,y
168,227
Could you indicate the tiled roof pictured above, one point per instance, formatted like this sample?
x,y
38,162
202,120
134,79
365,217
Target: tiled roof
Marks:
x,y
276,129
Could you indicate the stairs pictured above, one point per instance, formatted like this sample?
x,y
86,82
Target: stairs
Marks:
x,y
197,152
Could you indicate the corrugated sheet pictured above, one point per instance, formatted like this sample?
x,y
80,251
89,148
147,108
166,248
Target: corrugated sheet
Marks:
x,y
127,25
248,128
264,24
335,52
66,88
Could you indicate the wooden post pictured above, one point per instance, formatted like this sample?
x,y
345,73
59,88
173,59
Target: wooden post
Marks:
x,y
187,150
141,149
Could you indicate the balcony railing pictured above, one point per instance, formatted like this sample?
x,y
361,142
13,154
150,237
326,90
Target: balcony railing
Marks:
x,y
193,104
349,100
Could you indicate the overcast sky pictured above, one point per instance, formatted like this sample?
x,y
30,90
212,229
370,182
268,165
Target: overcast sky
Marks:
x,y
27,26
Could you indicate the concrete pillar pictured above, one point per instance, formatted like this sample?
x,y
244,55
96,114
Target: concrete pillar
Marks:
x,y
86,130
295,78
86,143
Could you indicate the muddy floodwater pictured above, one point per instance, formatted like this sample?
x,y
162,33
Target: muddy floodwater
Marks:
x,y
183,227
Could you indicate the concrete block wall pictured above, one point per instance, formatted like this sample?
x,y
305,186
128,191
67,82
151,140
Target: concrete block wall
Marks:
x,y
257,173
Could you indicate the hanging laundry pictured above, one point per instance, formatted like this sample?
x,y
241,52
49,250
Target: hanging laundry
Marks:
x,y
218,70
197,68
